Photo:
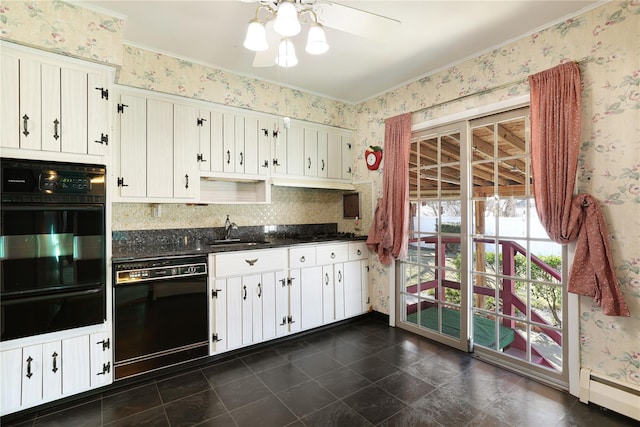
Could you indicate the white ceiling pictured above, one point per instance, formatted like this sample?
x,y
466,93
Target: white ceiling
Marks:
x,y
431,36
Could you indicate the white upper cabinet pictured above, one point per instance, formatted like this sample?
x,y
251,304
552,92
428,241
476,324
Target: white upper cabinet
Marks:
x,y
186,132
53,104
158,150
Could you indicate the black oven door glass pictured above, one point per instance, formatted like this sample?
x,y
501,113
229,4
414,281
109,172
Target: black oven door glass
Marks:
x,y
51,248
23,317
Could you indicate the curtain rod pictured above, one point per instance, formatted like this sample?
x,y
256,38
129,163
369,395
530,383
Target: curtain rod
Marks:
x,y
502,86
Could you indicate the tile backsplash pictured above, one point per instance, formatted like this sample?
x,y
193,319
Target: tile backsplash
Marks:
x,y
288,206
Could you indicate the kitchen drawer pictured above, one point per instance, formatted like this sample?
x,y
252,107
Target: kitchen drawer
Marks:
x,y
358,250
302,256
332,253
249,262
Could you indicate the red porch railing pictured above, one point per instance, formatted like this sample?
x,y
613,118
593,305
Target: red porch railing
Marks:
x,y
510,301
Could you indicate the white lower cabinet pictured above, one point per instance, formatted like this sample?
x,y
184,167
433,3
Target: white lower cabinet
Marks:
x,y
40,373
264,294
246,300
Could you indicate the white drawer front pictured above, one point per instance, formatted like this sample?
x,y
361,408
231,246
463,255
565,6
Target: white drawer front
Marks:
x,y
302,256
332,253
358,250
249,262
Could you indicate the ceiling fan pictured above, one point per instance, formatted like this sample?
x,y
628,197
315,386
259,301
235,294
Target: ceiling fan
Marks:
x,y
273,40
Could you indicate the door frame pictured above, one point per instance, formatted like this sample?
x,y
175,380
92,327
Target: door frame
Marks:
x,y
572,300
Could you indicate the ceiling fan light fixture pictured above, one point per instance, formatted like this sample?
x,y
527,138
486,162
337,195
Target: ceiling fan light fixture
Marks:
x,y
256,39
286,54
316,40
287,23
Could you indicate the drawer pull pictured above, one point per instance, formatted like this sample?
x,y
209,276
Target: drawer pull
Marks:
x,y
333,255
302,258
251,261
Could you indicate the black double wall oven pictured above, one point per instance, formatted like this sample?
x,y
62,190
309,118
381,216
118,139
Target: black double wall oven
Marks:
x,y
52,247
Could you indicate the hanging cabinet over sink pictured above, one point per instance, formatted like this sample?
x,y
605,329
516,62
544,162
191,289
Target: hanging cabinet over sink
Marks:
x,y
176,150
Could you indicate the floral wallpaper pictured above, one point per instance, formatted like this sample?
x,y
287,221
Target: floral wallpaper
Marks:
x,y
63,28
605,40
162,73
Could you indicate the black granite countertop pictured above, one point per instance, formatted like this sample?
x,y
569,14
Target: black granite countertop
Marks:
x,y
145,244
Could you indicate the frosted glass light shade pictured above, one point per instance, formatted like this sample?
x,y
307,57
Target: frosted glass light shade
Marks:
x,y
256,39
316,40
286,54
286,23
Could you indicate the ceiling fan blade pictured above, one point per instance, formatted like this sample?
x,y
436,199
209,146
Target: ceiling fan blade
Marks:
x,y
355,21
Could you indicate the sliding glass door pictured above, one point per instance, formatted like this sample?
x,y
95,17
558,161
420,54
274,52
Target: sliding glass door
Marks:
x,y
481,274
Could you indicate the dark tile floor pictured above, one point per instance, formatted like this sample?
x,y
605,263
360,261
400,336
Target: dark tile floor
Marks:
x,y
362,373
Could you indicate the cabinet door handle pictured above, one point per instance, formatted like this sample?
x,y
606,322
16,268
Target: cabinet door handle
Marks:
x,y
244,296
326,279
333,255
241,158
322,164
309,163
251,261
339,276
29,373
54,356
228,157
56,122
186,178
25,125
302,258
259,290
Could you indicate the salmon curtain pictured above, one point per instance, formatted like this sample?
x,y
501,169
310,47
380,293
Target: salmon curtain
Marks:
x,y
387,236
556,96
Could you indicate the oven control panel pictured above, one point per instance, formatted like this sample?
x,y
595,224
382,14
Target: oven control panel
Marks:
x,y
159,269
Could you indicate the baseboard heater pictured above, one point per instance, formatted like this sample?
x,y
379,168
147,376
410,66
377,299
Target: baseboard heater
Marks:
x,y
610,393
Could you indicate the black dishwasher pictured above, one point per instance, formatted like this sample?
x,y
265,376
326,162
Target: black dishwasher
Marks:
x,y
160,313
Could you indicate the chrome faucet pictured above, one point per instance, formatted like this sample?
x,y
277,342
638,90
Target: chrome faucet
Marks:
x,y
228,226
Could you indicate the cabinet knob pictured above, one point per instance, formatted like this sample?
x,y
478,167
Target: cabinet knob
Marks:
x,y
302,258
333,255
359,252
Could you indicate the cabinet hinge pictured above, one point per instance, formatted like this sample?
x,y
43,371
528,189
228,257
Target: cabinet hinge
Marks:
x,y
290,320
290,281
214,338
106,344
104,139
120,108
104,93
275,133
214,293
200,122
266,131
121,182
106,368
